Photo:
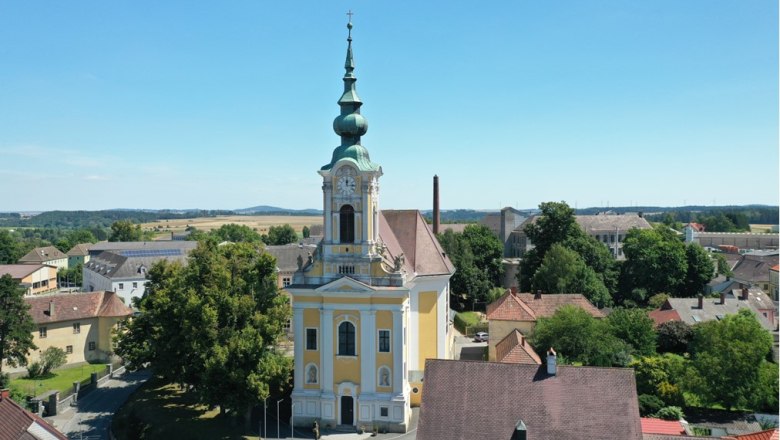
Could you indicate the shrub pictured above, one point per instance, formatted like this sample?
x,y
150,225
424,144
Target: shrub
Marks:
x,y
34,370
649,405
670,413
657,300
53,357
673,337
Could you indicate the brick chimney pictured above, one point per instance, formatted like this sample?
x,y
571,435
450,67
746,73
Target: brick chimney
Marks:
x,y
745,294
436,211
5,393
701,301
723,297
538,294
521,432
552,362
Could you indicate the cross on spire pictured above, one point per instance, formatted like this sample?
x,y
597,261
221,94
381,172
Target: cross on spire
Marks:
x,y
350,13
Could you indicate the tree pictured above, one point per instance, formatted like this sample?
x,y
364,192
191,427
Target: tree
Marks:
x,y
699,272
52,358
125,230
727,356
580,337
564,271
9,248
213,325
16,324
555,224
234,233
487,250
723,267
306,232
661,376
634,327
469,280
674,337
655,261
284,234
74,237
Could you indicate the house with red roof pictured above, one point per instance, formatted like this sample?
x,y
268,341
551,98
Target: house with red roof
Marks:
x,y
16,423
659,426
519,311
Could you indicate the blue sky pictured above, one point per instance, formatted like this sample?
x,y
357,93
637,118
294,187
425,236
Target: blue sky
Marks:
x,y
181,104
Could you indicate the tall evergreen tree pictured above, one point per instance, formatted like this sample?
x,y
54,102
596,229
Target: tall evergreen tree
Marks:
x,y
16,324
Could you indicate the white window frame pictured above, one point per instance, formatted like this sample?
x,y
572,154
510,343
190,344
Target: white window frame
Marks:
x,y
379,340
316,339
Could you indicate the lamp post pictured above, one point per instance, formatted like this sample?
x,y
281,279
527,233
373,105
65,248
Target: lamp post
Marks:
x,y
277,418
265,426
292,420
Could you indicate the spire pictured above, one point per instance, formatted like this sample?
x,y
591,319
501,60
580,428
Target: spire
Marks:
x,y
350,125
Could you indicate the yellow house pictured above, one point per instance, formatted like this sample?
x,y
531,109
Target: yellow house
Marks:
x,y
48,255
79,323
35,278
519,311
370,305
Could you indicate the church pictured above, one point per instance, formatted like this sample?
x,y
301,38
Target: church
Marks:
x,y
371,304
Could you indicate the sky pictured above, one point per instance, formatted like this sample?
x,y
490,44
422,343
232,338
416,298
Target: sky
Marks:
x,y
227,105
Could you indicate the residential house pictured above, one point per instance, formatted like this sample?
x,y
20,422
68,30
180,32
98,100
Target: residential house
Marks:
x,y
48,255
695,310
660,426
289,259
515,349
16,423
121,267
519,311
490,400
35,278
78,254
79,323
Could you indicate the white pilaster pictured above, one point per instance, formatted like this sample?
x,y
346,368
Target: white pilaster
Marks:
x,y
398,352
326,352
299,338
365,237
367,351
327,195
335,217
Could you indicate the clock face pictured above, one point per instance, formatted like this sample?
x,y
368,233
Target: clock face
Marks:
x,y
346,185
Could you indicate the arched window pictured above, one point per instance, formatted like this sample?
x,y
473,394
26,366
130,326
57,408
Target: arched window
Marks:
x,y
347,224
346,339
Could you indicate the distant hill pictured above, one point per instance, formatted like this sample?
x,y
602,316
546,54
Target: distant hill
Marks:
x,y
273,210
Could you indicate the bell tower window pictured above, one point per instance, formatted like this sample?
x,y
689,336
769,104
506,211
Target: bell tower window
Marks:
x,y
347,224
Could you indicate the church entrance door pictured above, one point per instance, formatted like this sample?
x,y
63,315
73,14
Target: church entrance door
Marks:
x,y
347,416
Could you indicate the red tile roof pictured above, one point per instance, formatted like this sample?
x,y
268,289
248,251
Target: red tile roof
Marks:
x,y
42,255
70,306
15,421
658,426
508,307
514,349
660,316
547,304
485,400
775,268
770,434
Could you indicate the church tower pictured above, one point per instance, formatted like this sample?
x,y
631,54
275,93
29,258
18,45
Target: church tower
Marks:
x,y
371,304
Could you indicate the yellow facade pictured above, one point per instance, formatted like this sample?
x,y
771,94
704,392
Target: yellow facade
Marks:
x,y
498,330
428,333
77,341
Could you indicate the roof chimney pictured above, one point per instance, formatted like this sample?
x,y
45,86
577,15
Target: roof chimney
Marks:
x,y
538,294
5,393
745,294
552,362
701,301
520,431
51,308
723,297
436,213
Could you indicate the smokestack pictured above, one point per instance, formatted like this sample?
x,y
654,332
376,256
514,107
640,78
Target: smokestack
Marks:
x,y
436,212
552,362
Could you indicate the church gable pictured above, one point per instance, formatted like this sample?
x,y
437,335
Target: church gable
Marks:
x,y
345,284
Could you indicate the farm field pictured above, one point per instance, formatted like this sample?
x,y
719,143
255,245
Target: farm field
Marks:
x,y
260,223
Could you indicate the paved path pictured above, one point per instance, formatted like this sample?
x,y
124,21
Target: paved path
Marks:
x,y
91,418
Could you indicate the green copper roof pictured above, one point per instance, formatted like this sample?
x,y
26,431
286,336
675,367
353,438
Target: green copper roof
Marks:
x,y
350,124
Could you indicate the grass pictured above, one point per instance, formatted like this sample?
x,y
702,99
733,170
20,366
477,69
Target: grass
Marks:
x,y
159,410
464,320
59,380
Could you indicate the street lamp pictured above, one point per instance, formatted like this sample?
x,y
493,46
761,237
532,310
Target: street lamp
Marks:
x,y
277,418
292,420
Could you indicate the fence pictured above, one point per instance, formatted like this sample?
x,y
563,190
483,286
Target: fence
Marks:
x,y
56,402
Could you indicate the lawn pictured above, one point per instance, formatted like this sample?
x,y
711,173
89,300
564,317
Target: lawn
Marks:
x,y
158,410
60,380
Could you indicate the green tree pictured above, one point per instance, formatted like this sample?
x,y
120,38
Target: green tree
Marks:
x,y
125,230
9,248
634,327
555,224
235,233
765,399
470,282
699,272
74,237
71,275
51,359
723,266
564,271
727,356
661,376
284,234
213,325
487,250
655,261
579,337
16,324
306,232
674,337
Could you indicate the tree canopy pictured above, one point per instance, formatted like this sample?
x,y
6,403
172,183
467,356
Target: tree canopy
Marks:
x,y
16,324
634,327
278,235
476,254
564,271
126,230
213,325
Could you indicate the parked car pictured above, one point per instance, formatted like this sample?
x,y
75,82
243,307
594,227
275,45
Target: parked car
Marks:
x,y
481,337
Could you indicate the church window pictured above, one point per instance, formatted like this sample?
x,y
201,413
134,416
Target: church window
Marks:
x,y
347,224
384,341
311,338
346,339
383,411
346,270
